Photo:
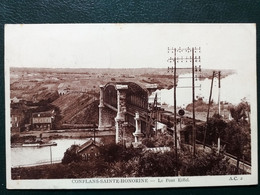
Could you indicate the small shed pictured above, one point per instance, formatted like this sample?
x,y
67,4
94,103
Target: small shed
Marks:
x,y
89,150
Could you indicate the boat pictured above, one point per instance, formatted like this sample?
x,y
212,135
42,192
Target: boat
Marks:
x,y
16,145
41,144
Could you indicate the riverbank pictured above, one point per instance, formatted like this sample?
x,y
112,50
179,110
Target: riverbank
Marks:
x,y
60,134
34,156
116,161
36,172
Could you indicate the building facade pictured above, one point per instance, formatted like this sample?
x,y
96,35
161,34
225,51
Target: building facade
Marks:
x,y
89,150
42,120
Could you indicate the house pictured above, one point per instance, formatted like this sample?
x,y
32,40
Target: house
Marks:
x,y
63,91
89,150
42,120
18,115
15,100
17,118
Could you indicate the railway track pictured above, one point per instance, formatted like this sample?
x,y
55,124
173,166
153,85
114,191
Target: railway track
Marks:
x,y
243,165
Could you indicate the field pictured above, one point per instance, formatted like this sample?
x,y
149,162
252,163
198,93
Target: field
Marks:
x,y
75,92
34,84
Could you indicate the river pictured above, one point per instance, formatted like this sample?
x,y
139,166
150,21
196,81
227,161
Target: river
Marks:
x,y
233,88
27,156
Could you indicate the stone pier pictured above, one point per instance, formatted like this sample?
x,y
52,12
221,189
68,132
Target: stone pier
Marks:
x,y
121,111
106,115
101,108
137,132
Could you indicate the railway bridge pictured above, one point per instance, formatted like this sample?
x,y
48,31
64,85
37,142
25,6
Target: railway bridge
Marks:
x,y
122,104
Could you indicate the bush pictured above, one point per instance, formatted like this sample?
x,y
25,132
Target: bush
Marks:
x,y
115,152
206,164
148,143
157,164
71,155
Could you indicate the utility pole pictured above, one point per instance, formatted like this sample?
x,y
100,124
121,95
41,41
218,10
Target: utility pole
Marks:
x,y
51,154
155,113
173,69
94,130
193,59
193,106
219,77
210,94
148,124
175,112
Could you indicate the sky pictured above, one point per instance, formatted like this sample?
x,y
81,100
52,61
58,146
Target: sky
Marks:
x,y
223,46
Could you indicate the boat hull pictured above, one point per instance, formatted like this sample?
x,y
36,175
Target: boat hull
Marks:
x,y
39,144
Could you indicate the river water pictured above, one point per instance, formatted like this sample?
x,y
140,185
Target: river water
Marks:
x,y
233,88
26,156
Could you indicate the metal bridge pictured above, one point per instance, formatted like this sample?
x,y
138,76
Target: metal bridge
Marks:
x,y
123,104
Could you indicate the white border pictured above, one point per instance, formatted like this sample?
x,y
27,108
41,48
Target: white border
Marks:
x,y
153,182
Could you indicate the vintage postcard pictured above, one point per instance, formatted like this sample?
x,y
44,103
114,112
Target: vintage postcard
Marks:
x,y
97,106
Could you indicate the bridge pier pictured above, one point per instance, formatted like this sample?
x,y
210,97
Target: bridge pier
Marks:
x,y
137,132
121,111
101,108
106,116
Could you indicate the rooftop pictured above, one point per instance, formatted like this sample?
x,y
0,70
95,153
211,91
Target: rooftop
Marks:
x,y
43,114
89,143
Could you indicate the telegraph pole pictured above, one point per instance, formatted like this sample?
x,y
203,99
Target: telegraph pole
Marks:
x,y
219,77
94,131
173,69
210,94
51,154
193,106
155,113
193,58
175,112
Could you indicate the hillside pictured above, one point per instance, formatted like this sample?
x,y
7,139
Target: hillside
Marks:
x,y
77,107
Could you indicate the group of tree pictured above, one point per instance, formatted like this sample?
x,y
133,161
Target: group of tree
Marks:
x,y
234,135
118,161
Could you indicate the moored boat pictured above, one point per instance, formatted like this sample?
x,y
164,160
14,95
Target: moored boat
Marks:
x,y
42,144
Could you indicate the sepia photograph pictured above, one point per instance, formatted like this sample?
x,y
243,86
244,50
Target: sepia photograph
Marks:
x,y
97,106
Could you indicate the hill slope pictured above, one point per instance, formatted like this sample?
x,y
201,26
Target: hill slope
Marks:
x,y
77,108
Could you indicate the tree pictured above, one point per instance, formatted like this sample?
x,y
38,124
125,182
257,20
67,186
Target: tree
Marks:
x,y
115,152
148,143
205,164
157,164
239,140
215,129
238,131
163,139
71,155
240,112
